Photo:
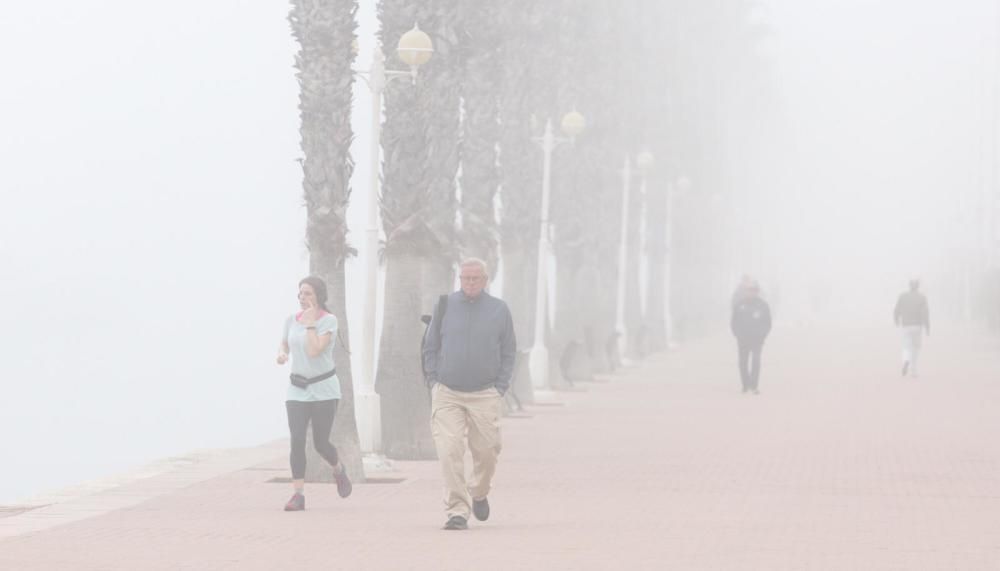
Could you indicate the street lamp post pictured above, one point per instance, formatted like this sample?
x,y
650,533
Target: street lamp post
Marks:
x,y
572,124
644,162
414,49
682,186
623,258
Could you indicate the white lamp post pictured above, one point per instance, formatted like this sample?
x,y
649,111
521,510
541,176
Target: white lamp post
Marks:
x,y
644,162
623,258
682,186
572,124
414,49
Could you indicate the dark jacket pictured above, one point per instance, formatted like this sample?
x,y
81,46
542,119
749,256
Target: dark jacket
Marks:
x,y
911,309
751,320
476,346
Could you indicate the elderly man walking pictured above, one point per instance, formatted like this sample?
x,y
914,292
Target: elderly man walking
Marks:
x,y
469,361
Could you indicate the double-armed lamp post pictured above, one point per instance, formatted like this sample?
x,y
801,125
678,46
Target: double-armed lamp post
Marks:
x,y
572,124
414,49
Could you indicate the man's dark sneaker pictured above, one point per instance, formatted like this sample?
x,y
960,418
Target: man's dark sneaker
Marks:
x,y
456,522
481,509
296,504
906,367
344,486
755,391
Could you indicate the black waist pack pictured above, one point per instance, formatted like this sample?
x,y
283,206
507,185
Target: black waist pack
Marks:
x,y
303,382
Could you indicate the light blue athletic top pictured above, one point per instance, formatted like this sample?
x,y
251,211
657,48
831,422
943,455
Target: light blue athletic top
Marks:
x,y
303,364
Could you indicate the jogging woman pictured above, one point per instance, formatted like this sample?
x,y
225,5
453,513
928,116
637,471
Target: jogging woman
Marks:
x,y
314,389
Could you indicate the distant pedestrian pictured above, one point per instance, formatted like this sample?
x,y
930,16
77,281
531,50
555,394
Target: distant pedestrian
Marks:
x,y
750,323
746,282
314,389
469,361
913,320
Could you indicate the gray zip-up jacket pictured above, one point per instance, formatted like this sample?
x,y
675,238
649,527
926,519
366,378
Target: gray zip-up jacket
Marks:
x,y
475,349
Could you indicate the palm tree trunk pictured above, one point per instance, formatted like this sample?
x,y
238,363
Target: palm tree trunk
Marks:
x,y
405,402
420,142
345,429
325,30
520,270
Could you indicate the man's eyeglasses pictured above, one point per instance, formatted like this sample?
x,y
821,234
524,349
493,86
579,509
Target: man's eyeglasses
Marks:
x,y
471,279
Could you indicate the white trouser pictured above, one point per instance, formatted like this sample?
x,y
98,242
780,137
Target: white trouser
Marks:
x,y
911,336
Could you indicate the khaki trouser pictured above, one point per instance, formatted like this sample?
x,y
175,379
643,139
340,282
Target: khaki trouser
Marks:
x,y
454,416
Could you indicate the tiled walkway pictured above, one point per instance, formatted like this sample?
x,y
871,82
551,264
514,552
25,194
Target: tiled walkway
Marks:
x,y
839,464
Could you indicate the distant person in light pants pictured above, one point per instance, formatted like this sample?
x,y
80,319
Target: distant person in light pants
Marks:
x,y
469,359
913,319
750,323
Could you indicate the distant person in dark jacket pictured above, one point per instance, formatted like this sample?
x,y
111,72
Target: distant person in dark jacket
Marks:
x,y
913,319
469,361
750,323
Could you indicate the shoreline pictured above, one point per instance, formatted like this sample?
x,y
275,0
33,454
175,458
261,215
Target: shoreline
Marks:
x,y
103,495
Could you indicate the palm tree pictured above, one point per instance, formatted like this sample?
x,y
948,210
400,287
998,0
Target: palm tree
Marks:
x,y
652,119
420,142
642,124
480,178
325,31
588,190
528,59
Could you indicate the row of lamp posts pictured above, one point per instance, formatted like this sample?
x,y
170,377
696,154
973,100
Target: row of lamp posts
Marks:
x,y
415,49
572,124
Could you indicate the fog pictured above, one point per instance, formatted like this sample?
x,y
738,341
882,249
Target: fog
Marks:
x,y
152,228
151,236
891,110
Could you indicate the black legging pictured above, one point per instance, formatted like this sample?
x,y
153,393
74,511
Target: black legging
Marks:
x,y
321,414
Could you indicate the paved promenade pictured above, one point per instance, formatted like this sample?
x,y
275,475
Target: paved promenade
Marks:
x,y
839,464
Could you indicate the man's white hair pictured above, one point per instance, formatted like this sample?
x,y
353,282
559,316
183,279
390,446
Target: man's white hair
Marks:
x,y
475,262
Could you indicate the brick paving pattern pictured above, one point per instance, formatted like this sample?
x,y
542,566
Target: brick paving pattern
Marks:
x,y
839,464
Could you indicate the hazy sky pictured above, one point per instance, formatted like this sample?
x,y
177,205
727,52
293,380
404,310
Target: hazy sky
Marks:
x,y
887,104
151,234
